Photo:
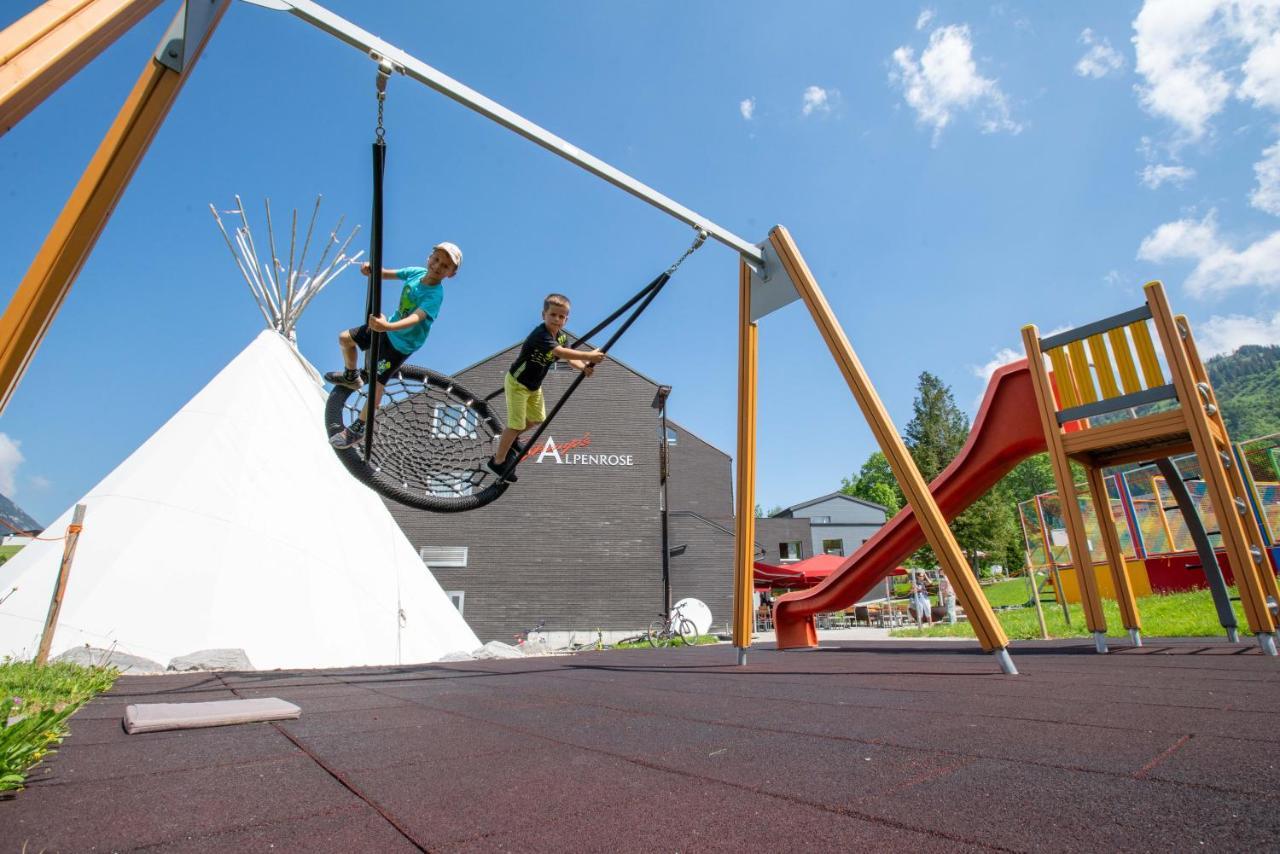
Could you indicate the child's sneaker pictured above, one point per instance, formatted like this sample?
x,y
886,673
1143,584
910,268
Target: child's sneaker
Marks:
x,y
354,380
496,468
348,436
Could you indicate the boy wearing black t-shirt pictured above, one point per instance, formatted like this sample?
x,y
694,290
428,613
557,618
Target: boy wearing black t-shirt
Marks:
x,y
523,383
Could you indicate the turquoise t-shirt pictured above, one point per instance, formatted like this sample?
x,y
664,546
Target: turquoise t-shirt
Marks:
x,y
417,294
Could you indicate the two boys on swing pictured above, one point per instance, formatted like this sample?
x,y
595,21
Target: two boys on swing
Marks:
x,y
407,330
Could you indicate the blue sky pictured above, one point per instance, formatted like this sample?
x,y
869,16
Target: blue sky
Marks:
x,y
951,171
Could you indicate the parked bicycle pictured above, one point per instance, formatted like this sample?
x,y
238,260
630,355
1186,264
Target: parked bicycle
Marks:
x,y
665,631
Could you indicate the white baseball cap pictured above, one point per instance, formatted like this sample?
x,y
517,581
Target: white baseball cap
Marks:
x,y
452,250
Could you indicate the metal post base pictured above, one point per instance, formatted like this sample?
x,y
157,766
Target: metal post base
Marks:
x,y
742,655
1233,636
1006,663
1100,642
1267,640
1135,637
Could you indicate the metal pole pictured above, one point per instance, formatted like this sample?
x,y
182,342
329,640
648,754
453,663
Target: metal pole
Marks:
x,y
416,69
666,547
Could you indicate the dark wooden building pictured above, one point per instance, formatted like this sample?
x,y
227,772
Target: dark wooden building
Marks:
x,y
577,541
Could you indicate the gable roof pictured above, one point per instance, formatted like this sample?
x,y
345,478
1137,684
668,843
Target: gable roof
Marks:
x,y
830,495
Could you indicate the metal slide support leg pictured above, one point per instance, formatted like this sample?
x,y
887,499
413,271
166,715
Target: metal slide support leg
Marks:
x,y
1204,548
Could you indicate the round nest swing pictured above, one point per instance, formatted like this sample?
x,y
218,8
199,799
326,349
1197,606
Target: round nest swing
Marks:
x,y
431,440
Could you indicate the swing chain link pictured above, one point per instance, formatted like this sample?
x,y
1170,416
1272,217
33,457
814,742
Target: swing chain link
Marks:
x,y
697,244
384,74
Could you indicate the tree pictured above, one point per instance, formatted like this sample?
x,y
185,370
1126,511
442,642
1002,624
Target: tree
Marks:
x,y
938,428
875,482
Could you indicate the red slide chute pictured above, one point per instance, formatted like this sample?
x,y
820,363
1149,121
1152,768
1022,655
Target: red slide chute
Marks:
x,y
1006,432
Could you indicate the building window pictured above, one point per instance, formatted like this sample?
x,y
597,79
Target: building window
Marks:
x,y
451,421
444,557
820,520
672,436
833,547
451,484
789,550
456,597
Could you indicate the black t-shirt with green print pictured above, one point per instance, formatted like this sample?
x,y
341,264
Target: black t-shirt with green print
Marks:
x,y
536,356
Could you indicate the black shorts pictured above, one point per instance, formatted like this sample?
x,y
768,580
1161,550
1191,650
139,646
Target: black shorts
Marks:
x,y
389,358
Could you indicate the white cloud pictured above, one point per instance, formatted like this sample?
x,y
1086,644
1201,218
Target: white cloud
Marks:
x,y
1259,27
1160,173
1100,59
1267,195
926,16
1219,267
747,106
946,81
1228,334
819,100
40,483
1113,278
10,459
1193,56
1002,357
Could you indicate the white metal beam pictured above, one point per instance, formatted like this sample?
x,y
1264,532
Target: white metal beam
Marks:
x,y
416,69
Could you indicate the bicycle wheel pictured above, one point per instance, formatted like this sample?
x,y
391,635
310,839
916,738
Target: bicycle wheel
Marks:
x,y
688,633
655,635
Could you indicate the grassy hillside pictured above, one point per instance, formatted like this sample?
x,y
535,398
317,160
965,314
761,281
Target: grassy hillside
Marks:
x,y
1247,383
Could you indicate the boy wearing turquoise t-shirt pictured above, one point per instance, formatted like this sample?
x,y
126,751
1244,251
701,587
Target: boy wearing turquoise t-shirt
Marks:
x,y
401,336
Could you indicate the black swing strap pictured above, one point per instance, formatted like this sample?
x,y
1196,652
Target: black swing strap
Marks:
x,y
373,302
641,294
645,296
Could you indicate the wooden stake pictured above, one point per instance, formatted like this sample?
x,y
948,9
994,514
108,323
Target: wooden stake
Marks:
x,y
55,604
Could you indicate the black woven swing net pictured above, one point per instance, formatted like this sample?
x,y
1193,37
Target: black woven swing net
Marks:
x,y
431,440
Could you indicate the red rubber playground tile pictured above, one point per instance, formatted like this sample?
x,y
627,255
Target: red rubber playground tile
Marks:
x,y
109,815
903,746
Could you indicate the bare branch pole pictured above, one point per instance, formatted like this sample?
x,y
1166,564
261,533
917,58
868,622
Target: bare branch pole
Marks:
x,y
284,292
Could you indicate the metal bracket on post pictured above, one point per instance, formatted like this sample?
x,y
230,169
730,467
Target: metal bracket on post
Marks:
x,y
771,286
189,28
1100,642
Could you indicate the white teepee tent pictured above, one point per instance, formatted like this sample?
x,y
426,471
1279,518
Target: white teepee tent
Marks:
x,y
235,526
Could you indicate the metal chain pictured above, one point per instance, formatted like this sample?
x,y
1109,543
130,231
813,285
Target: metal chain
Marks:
x,y
384,74
697,244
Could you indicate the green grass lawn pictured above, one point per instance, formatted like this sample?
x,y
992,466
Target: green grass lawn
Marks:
x,y
1188,614
7,552
35,703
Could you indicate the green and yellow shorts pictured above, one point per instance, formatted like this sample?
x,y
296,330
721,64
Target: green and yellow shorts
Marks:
x,y
524,405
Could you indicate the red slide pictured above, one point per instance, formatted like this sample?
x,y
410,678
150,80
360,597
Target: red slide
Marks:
x,y
1006,432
